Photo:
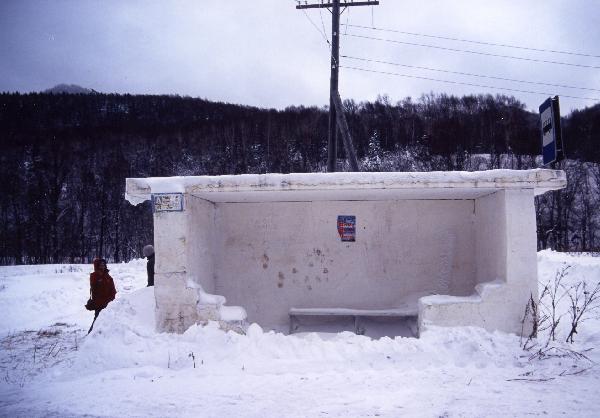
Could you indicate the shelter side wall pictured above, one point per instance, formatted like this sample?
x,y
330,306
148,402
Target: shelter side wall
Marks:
x,y
200,248
276,255
490,227
499,305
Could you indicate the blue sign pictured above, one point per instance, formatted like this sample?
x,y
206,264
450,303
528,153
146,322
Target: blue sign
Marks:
x,y
551,133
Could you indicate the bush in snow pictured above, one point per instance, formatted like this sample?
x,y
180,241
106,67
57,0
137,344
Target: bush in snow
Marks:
x,y
583,302
547,314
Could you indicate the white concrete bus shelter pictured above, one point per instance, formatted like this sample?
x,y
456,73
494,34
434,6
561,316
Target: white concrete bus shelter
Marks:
x,y
450,248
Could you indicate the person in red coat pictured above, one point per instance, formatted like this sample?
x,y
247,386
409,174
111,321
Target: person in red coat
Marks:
x,y
102,288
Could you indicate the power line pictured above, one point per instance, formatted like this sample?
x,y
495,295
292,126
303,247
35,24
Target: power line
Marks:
x,y
469,84
469,74
323,26
323,34
476,42
474,52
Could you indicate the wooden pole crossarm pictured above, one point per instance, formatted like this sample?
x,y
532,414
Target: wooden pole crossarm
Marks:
x,y
342,4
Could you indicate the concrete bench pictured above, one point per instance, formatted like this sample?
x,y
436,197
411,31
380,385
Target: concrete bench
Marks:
x,y
407,312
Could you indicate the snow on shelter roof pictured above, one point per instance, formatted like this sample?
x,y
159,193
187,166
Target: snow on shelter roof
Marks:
x,y
347,186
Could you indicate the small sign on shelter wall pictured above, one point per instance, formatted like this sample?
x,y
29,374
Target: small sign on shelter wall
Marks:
x,y
167,202
346,225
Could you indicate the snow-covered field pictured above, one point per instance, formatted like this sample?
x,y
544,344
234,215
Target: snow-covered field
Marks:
x,y
49,367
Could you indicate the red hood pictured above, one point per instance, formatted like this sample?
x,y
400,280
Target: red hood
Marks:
x,y
97,262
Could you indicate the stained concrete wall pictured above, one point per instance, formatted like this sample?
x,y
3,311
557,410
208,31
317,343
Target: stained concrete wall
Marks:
x,y
272,256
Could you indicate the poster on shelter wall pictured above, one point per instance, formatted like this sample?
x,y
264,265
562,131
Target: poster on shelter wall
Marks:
x,y
346,225
167,202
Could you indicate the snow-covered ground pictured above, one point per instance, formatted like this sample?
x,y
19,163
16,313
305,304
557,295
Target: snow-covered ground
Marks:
x,y
49,367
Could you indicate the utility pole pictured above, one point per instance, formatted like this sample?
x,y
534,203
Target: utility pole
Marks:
x,y
334,7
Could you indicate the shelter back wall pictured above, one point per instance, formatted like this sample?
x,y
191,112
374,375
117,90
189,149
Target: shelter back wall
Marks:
x,y
271,256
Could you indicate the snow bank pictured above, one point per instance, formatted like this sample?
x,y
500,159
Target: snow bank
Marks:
x,y
209,372
122,340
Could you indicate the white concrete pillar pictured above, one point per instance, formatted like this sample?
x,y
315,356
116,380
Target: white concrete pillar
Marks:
x,y
521,253
175,299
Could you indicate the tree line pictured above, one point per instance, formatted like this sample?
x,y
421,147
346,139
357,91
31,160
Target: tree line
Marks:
x,y
64,159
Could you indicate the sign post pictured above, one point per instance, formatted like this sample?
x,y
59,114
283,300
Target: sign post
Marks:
x,y
552,144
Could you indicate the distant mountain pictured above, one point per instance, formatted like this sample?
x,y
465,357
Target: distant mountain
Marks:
x,y
70,89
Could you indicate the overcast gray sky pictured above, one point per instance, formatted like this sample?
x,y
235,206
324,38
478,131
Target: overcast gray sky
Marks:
x,y
267,53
